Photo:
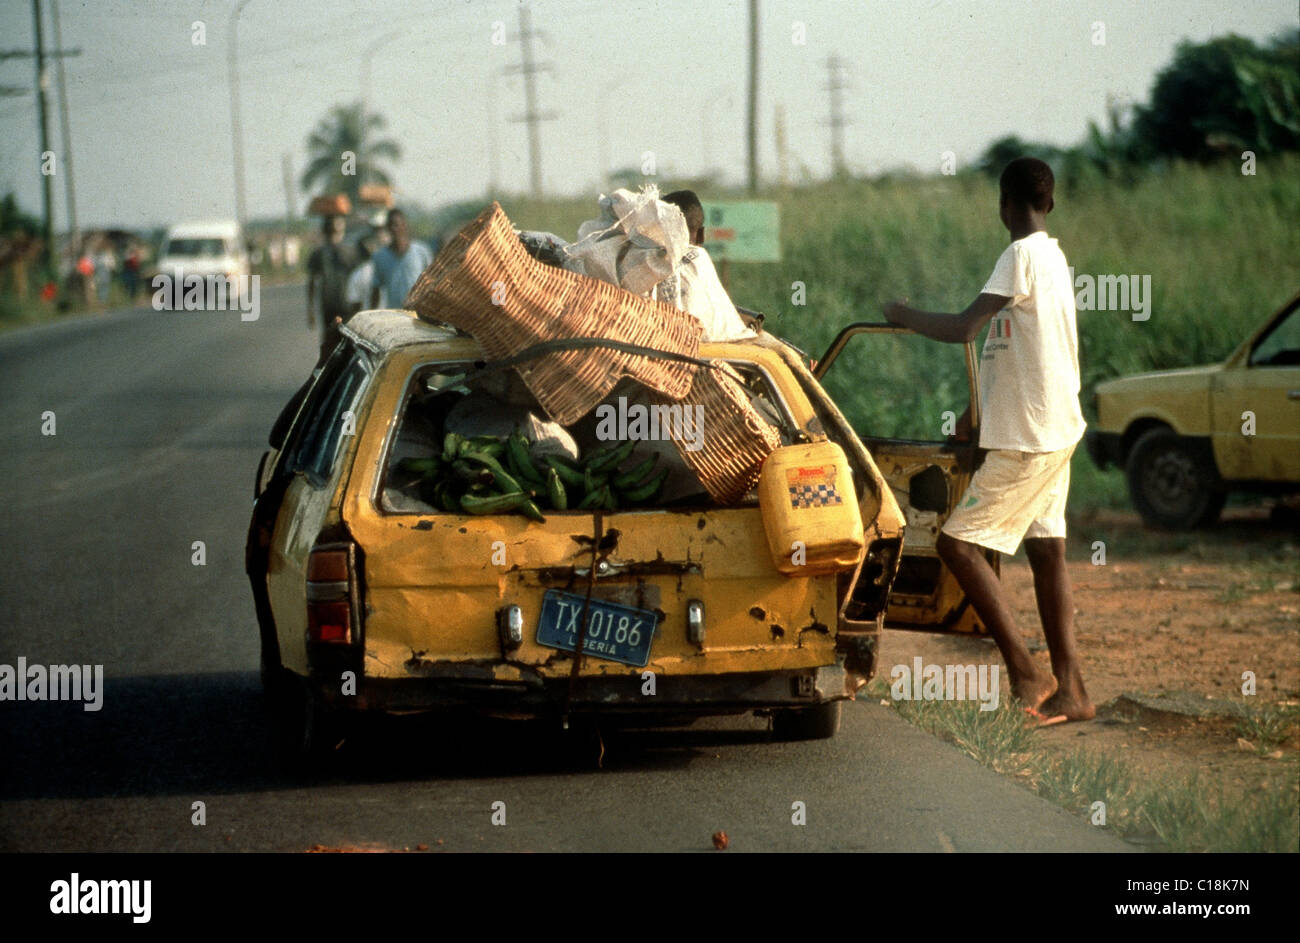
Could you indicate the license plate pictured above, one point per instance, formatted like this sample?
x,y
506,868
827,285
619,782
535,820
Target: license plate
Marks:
x,y
616,632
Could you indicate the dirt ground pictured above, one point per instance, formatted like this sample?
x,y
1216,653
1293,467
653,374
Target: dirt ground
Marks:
x,y
1166,627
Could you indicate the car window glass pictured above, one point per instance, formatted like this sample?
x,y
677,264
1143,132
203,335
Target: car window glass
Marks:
x,y
318,447
195,248
318,386
1281,347
900,386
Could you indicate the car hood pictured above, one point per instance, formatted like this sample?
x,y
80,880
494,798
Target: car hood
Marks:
x,y
1184,378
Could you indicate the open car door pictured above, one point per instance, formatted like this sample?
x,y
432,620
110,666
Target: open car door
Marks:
x,y
903,394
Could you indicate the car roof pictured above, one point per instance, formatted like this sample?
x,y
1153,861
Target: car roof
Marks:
x,y
386,329
225,229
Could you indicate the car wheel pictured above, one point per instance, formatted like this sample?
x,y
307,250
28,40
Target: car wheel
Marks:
x,y
807,723
303,733
1173,482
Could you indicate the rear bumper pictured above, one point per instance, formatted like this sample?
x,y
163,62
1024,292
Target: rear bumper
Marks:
x,y
1104,448
621,694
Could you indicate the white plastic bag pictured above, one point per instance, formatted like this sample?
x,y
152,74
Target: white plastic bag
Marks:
x,y
635,243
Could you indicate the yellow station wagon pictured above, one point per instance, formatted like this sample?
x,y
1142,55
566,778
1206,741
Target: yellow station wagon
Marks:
x,y
369,603
1186,438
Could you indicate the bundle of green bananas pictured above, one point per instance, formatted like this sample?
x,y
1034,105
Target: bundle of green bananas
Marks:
x,y
490,475
597,482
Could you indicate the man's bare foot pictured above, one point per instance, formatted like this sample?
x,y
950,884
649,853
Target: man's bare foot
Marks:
x,y
1073,706
1033,692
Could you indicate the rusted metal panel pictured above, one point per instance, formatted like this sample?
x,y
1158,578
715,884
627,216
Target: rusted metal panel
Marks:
x,y
434,583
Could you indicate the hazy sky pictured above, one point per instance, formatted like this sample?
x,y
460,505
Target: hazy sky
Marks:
x,y
150,110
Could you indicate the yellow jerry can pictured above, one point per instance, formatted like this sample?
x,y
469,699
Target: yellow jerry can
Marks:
x,y
810,510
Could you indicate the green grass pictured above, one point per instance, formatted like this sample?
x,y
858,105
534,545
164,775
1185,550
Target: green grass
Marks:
x,y
1177,813
1266,727
999,738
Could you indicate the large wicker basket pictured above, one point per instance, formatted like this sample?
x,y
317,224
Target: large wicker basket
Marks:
x,y
734,439
485,282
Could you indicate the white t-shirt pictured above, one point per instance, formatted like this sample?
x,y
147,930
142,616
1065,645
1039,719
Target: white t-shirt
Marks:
x,y
1029,372
359,284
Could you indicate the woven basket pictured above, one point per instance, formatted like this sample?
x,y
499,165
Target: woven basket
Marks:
x,y
537,302
330,205
735,440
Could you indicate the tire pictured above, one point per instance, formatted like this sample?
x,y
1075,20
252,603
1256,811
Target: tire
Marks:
x,y
303,734
1172,481
807,723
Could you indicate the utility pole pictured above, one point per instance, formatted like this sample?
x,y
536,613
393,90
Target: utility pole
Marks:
x,y
65,133
366,56
835,84
529,67
606,147
42,80
724,96
236,131
782,157
751,136
286,173
494,158
40,54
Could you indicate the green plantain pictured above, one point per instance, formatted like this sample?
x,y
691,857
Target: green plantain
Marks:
x,y
520,459
568,475
647,490
610,457
493,503
630,479
555,492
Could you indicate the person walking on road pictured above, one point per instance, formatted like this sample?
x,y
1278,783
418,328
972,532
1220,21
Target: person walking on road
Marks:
x,y
328,268
398,265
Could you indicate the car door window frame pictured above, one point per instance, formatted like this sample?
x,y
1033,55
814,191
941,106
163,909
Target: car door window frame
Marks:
x,y
841,341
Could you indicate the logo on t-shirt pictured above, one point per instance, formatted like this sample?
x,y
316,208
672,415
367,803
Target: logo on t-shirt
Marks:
x,y
1001,328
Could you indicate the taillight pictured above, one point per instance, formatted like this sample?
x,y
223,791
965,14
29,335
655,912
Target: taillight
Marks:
x,y
329,595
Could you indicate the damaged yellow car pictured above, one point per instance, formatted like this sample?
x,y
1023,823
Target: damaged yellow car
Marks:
x,y
374,596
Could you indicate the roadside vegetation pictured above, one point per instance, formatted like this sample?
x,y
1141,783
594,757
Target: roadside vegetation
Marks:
x,y
1166,813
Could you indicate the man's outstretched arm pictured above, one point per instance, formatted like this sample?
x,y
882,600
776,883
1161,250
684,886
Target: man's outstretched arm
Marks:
x,y
950,328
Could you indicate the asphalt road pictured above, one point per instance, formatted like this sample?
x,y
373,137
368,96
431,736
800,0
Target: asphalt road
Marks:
x,y
159,421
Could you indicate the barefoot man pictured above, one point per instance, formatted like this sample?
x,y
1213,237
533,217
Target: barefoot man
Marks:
x,y
1030,424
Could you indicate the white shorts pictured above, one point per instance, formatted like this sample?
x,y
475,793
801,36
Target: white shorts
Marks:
x,y
1011,496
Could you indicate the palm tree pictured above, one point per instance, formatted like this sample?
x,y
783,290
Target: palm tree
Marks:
x,y
348,128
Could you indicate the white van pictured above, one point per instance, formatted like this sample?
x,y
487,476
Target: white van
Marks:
x,y
206,249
